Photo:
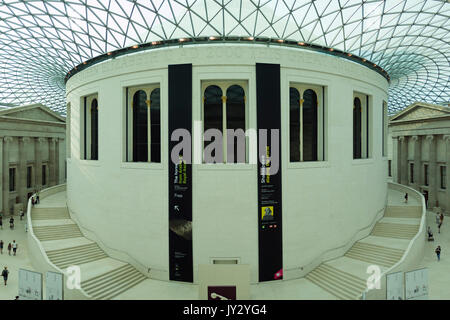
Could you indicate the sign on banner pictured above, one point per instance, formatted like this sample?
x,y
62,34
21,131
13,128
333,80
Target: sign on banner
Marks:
x,y
394,286
30,285
54,286
416,284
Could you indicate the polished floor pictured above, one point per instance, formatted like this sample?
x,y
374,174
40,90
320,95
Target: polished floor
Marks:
x,y
439,278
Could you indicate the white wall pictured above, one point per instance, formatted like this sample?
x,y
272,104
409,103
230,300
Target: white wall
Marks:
x,y
324,203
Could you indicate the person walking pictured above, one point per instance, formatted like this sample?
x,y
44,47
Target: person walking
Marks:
x,y
5,273
37,199
21,214
11,223
438,252
14,247
9,248
1,246
441,219
406,197
1,222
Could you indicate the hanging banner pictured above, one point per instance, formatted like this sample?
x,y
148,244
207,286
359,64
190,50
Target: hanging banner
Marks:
x,y
30,285
394,286
269,171
180,173
54,286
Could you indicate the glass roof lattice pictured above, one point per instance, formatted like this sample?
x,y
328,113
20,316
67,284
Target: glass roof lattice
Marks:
x,y
40,41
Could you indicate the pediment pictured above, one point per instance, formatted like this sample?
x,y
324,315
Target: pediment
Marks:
x,y
33,112
418,111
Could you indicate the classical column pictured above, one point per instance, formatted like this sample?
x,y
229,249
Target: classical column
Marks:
x,y
38,147
22,170
432,181
395,166
52,161
57,148
447,158
1,172
417,161
6,144
403,160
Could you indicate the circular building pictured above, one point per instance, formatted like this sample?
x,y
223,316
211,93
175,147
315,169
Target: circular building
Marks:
x,y
247,153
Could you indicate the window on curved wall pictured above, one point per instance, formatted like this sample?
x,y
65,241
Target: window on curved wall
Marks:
x,y
143,124
155,126
357,121
140,127
294,124
306,123
235,120
212,113
362,136
89,127
94,130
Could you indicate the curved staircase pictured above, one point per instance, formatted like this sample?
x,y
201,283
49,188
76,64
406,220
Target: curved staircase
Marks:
x,y
345,277
101,276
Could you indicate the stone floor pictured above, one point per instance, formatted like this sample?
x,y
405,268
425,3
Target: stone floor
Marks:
x,y
439,277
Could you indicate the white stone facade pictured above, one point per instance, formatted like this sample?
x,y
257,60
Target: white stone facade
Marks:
x,y
32,141
325,203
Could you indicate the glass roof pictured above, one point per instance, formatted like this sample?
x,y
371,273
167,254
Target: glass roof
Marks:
x,y
40,41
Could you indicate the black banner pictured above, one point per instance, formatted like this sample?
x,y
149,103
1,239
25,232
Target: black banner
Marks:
x,y
269,171
180,174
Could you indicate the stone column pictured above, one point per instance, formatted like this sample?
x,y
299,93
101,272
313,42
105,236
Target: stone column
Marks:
x,y
1,173
38,146
447,157
432,181
395,166
6,143
57,148
417,161
22,170
403,160
51,161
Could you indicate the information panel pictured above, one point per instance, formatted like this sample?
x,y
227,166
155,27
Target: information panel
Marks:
x,y
269,171
30,285
180,173
54,286
394,286
416,284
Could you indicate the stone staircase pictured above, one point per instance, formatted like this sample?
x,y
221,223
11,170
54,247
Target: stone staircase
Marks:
x,y
102,278
384,247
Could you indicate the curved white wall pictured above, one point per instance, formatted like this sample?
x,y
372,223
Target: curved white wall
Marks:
x,y
325,204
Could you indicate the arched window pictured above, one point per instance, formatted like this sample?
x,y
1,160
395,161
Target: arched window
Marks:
x,y
235,115
89,127
309,125
306,123
94,130
294,124
357,121
140,127
155,125
212,111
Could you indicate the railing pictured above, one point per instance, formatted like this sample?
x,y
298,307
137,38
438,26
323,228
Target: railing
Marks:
x,y
417,244
34,242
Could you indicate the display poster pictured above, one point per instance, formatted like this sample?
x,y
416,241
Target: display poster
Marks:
x,y
30,285
394,286
180,173
54,286
416,284
269,171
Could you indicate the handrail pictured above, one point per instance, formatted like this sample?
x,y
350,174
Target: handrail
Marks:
x,y
143,267
413,240
38,242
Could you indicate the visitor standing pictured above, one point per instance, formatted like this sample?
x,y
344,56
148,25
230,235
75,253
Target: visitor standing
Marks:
x,y
1,222
9,248
1,246
37,199
5,273
441,219
438,252
14,247
406,197
11,223
21,214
